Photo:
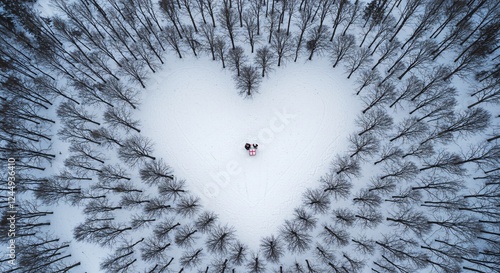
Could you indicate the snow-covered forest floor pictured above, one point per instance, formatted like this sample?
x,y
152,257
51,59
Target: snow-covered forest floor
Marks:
x,y
127,119
300,118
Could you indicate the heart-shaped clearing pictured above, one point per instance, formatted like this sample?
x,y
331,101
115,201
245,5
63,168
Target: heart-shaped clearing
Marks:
x,y
301,119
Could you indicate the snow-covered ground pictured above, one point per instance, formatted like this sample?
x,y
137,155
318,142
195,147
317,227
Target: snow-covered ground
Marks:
x,y
300,119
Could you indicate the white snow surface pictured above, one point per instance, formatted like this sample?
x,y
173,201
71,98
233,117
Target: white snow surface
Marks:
x,y
301,119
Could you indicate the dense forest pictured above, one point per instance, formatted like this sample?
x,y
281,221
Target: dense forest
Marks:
x,y
421,176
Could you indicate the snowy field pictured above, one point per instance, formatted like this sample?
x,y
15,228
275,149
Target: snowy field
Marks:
x,y
300,119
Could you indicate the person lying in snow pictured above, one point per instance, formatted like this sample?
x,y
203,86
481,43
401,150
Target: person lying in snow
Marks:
x,y
248,146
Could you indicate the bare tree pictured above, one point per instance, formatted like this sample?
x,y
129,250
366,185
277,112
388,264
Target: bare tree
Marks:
x,y
367,199
141,221
364,245
383,32
369,218
410,219
249,80
145,54
468,122
317,200
237,253
219,265
457,224
85,151
188,4
188,205
420,150
296,238
317,40
206,221
361,147
186,235
55,190
221,49
250,23
485,155
157,206
334,236
152,172
358,60
255,265
264,59
402,253
305,19
406,170
387,50
446,161
405,196
113,173
406,14
211,6
254,11
164,229
136,149
272,248
172,12
488,92
237,58
344,217
323,254
342,46
134,69
433,97
282,45
375,122
411,86
389,152
115,187
134,199
154,250
339,187
228,20
104,233
427,20
368,77
105,137
346,165
192,40
81,166
116,90
410,129
441,111
438,185
419,57
378,96
71,113
172,189
120,261
340,15
208,33
121,117
220,238
174,40
191,258
354,13
78,134
373,14
306,219
272,20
